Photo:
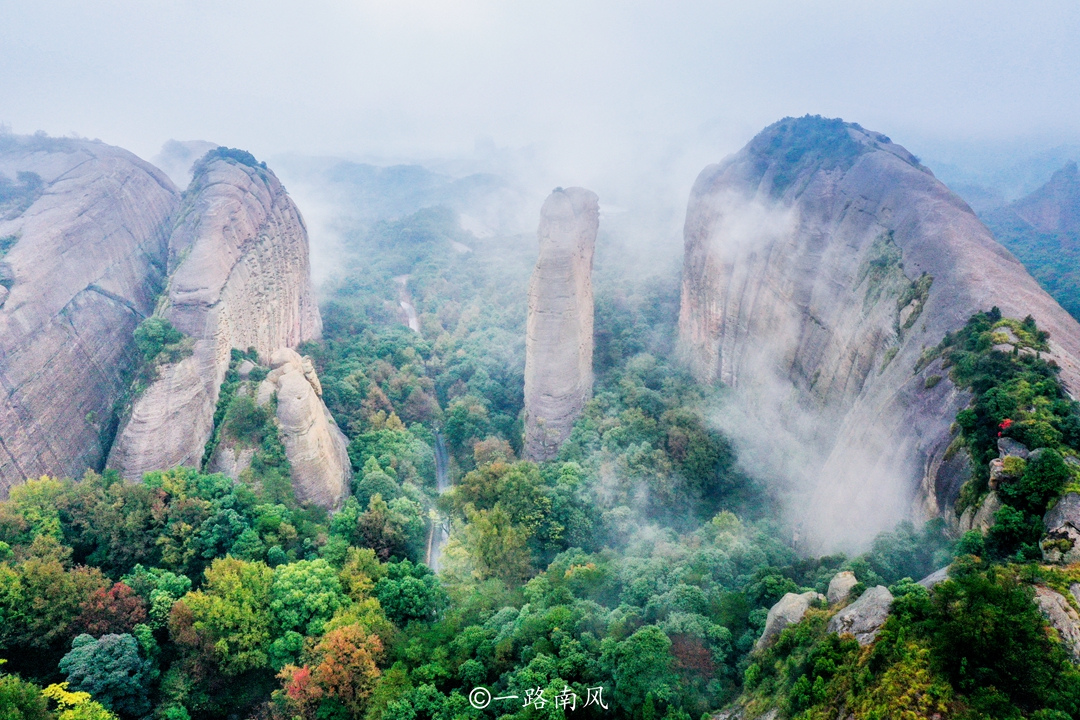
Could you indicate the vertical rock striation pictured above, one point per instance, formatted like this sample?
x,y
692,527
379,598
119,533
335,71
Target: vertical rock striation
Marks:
x,y
238,278
559,340
820,262
83,258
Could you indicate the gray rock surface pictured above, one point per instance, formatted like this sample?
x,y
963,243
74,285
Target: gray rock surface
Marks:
x,y
864,617
840,587
1008,446
981,518
789,610
934,578
1062,617
85,270
798,268
238,278
315,446
559,340
1062,523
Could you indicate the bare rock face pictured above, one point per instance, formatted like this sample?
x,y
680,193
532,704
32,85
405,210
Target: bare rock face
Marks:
x,y
1062,617
238,278
82,250
789,610
864,617
559,343
315,446
820,262
840,587
1062,523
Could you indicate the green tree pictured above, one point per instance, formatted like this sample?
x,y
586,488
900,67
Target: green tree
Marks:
x,y
111,670
304,595
230,614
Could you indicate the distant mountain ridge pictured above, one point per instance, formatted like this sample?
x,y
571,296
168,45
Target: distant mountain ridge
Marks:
x,y
1043,231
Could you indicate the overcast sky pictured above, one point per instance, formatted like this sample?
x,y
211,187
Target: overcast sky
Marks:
x,y
589,80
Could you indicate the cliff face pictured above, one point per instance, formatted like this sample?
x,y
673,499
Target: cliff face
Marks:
x,y
559,340
238,278
84,253
820,261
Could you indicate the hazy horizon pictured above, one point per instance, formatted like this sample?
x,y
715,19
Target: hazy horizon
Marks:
x,y
591,89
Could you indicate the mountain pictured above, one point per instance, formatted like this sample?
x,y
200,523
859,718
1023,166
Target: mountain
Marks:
x,y
821,262
124,306
1043,231
238,279
84,231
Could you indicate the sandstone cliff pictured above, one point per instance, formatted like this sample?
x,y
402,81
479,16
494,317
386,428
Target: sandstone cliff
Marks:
x,y
238,278
82,255
820,261
316,448
559,339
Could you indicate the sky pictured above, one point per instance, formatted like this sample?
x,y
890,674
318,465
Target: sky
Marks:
x,y
595,83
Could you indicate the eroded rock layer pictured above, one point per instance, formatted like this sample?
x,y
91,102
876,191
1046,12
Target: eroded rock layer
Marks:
x,y
820,262
82,256
239,277
559,340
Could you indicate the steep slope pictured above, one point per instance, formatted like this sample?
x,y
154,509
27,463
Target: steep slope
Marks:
x,y
820,262
1043,231
83,231
559,334
238,278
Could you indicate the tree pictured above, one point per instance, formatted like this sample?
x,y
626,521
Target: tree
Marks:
x,y
230,615
409,592
304,595
76,705
21,700
342,672
111,670
499,547
116,610
40,598
640,665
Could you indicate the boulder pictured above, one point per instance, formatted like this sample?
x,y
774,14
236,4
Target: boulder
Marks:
x,y
804,253
238,278
559,328
788,611
864,617
1008,446
934,578
1062,524
315,446
89,236
1062,617
840,587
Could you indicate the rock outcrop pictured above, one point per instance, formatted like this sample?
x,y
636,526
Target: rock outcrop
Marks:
x,y
1062,523
840,587
1062,617
864,617
821,261
316,448
238,278
789,610
82,248
559,340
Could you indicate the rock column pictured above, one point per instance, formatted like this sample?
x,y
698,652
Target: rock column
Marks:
x,y
559,340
